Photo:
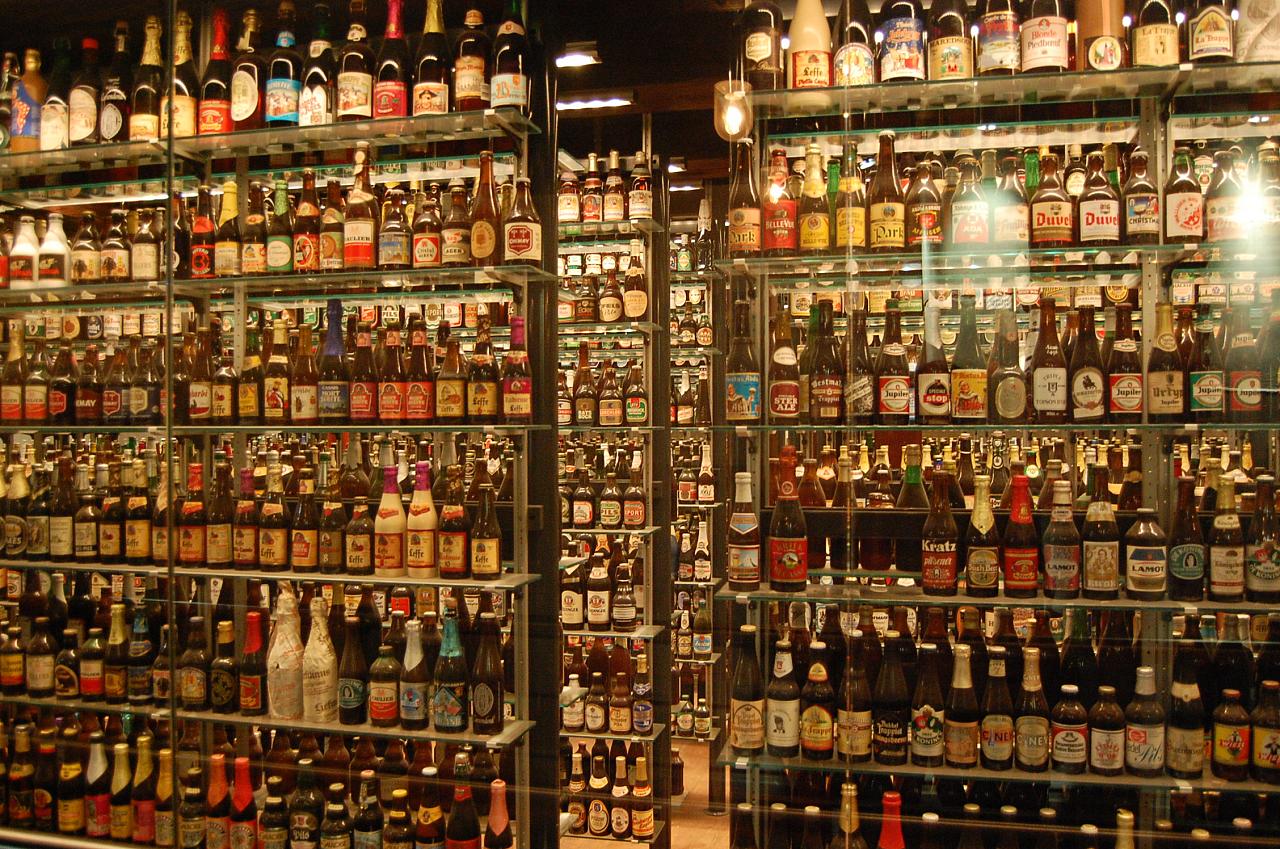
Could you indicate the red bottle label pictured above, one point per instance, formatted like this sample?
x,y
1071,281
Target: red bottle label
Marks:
x,y
391,400
1021,568
788,559
420,401
939,564
364,395
215,117
390,99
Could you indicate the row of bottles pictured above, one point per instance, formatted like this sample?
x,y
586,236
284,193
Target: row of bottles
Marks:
x,y
855,699
253,84
623,295
606,197
608,792
1196,370
952,41
417,675
623,707
1031,203
84,780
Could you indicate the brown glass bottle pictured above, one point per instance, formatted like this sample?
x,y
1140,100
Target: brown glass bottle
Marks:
x,y
1099,206
1053,211
893,376
1048,371
886,211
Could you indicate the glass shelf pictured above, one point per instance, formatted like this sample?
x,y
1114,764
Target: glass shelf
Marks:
x,y
80,705
115,430
692,279
82,158
570,230
75,566
606,532
304,300
606,328
1162,782
361,427
512,732
1018,89
509,581
1175,429
402,170
62,296
996,262
385,284
596,245
698,661
658,728
855,593
642,632
607,429
117,192
658,825
422,129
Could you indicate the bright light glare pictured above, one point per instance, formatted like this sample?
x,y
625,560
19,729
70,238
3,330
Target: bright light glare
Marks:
x,y
576,60
734,117
786,42
605,103
685,187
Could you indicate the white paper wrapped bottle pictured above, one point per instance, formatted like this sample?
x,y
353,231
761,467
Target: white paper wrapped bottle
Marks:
x,y
284,660
319,669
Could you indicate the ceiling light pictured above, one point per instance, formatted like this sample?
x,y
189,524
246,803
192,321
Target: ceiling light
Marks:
x,y
675,166
578,54
596,100
686,187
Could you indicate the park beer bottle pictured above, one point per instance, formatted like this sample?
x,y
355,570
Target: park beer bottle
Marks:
x,y
887,211
744,205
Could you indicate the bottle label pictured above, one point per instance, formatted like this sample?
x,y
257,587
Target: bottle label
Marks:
x,y
1101,565
1099,221
997,735
1087,394
244,94
938,567
469,81
1184,749
214,116
853,733
854,64
1245,391
744,230
951,58
83,116
982,567
1070,743
1211,34
999,46
1262,567
430,98
1106,749
390,99
788,560
1061,567
1051,221
1155,45
851,227
1206,391
1184,214
969,219
1142,215
1144,747
1049,389
1187,561
927,739
888,225
815,231
357,243
1146,568
1222,219
894,395
355,94
1226,566
1044,43
742,397
935,394
902,54
522,242
810,68
1126,393
1165,392
282,100
1031,740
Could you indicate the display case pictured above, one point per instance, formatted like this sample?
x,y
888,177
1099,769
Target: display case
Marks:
x,y
936,357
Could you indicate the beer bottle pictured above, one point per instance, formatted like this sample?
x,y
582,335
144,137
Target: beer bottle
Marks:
x,y
968,212
1146,565
744,204
782,705
1101,537
854,715
969,400
360,222
788,537
923,206
1144,744
1069,732
886,209
851,202
224,671
826,373
1123,366
121,802
996,729
893,376
939,541
747,698
449,706
927,711
1053,210
817,708
1048,372
1021,544
982,544
1166,402
336,829
1099,204
813,212
1185,730
1265,732
1262,575
1226,547
1061,547
860,379
1007,384
1031,725
1088,386
890,706
891,825
353,676
71,784
1243,373
961,716
933,376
